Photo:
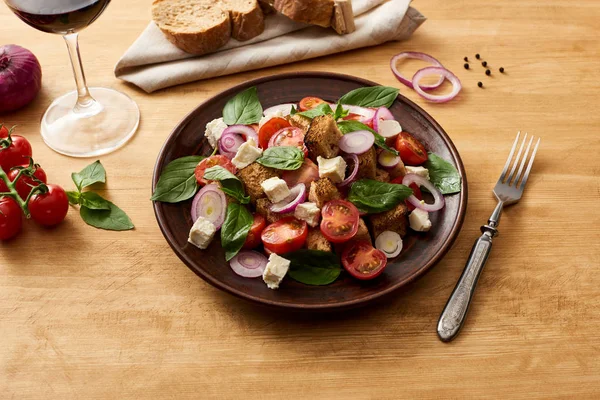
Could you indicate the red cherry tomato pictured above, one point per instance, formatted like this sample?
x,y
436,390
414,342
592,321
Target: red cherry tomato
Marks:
x,y
258,226
25,184
11,218
308,103
363,261
289,137
287,234
16,154
357,117
50,208
211,162
270,128
340,221
3,132
412,152
306,174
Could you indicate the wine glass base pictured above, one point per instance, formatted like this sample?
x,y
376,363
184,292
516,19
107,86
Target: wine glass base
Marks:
x,y
92,131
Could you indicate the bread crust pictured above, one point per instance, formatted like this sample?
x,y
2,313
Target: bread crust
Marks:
x,y
315,12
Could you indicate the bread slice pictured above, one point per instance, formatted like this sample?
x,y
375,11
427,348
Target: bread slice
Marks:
x,y
247,18
314,12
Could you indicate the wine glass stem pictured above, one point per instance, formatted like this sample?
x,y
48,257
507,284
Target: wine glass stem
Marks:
x,y
85,102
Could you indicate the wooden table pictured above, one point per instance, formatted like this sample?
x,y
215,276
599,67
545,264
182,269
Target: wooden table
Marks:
x,y
92,314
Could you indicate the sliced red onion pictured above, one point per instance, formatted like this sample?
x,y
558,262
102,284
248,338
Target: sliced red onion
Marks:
x,y
389,128
436,98
210,203
417,56
388,160
382,114
390,243
297,196
358,142
366,114
350,159
280,109
233,137
249,264
438,197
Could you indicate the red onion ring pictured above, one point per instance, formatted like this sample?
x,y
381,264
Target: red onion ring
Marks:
x,y
285,109
382,114
366,114
350,178
249,264
417,56
297,196
388,160
394,237
358,142
207,196
438,197
420,74
233,137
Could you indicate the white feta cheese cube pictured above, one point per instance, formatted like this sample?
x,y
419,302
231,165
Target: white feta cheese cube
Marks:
x,y
332,168
202,233
214,130
419,220
276,269
308,212
421,171
278,113
247,153
276,189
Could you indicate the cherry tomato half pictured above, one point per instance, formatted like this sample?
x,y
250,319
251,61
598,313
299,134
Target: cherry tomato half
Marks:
x,y
289,137
270,128
363,261
340,221
412,152
211,162
253,239
308,103
15,154
50,208
306,174
357,117
11,218
287,234
25,184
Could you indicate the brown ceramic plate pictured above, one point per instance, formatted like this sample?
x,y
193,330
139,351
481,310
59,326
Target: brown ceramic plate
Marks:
x,y
421,251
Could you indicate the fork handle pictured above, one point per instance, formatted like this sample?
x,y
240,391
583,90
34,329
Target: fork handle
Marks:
x,y
454,313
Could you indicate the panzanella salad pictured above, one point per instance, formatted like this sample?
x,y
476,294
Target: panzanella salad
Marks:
x,y
304,190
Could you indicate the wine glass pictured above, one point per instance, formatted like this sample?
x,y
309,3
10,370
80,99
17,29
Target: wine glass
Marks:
x,y
89,121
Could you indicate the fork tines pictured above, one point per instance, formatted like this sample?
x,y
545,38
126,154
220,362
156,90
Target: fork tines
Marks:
x,y
518,161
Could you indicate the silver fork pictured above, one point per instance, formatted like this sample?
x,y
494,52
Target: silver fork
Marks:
x,y
508,191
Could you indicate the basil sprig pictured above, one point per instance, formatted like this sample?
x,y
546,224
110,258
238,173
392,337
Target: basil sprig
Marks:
x,y
373,196
234,231
230,184
282,157
313,267
442,174
321,109
177,181
244,108
93,173
353,126
373,96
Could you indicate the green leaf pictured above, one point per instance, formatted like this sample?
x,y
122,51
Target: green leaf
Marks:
x,y
340,112
373,196
73,197
244,108
93,173
93,201
353,126
234,231
293,111
443,174
230,184
113,219
282,157
177,181
321,109
373,96
313,267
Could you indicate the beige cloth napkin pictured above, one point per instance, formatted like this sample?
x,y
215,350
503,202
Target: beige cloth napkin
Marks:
x,y
153,63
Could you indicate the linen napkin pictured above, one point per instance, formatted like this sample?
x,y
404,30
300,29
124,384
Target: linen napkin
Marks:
x,y
153,63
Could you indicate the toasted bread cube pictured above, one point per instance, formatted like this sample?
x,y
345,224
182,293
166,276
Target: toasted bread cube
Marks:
x,y
367,165
323,190
252,176
316,241
382,175
263,207
299,121
322,137
395,220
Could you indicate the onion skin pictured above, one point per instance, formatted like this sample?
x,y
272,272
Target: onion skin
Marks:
x,y
20,77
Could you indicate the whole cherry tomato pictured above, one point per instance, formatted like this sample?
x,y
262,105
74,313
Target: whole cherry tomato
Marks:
x,y
49,208
11,218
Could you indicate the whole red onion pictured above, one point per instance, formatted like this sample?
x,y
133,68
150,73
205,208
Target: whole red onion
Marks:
x,y
20,77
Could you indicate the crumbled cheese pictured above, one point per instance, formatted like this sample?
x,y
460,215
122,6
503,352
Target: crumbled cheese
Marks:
x,y
278,113
419,220
214,130
276,189
276,269
246,154
421,171
202,233
308,212
332,168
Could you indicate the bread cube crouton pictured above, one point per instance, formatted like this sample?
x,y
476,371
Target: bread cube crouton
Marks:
x,y
299,121
252,176
382,175
323,190
393,220
316,241
263,207
367,165
322,137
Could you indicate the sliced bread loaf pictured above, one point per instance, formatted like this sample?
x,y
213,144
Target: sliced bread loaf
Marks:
x,y
314,12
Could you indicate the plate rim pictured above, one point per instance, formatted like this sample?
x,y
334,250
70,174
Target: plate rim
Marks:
x,y
446,245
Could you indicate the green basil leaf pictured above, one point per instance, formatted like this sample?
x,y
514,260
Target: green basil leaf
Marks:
x,y
177,181
94,201
293,111
340,112
321,109
73,197
373,196
93,173
373,96
234,231
353,126
113,219
313,267
282,157
244,108
443,174
230,184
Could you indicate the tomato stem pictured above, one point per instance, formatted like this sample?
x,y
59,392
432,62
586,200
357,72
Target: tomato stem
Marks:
x,y
13,192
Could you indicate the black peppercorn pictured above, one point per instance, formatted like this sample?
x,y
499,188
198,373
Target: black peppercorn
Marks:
x,y
484,63
502,69
466,66
477,56
480,84
488,72
466,59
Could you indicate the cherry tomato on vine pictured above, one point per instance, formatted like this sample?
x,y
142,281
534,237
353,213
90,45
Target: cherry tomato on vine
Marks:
x,y
17,153
50,208
25,184
3,132
11,218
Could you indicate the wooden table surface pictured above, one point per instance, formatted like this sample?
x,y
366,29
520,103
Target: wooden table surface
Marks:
x,y
92,314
